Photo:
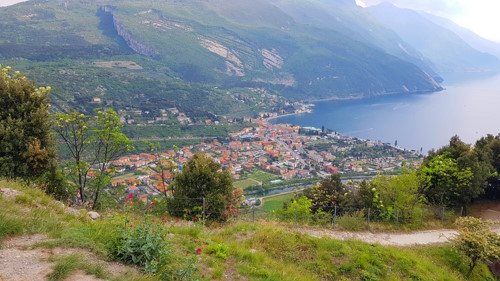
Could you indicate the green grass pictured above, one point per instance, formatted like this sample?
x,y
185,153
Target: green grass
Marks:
x,y
252,251
67,265
244,183
262,176
276,203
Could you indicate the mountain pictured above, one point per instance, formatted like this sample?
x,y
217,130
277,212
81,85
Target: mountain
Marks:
x,y
448,52
159,53
353,21
477,42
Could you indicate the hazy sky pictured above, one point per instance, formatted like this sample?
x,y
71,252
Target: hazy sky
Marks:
x,y
480,16
9,2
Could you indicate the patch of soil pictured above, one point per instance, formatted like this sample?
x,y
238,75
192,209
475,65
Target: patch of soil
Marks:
x,y
10,194
81,276
231,273
19,261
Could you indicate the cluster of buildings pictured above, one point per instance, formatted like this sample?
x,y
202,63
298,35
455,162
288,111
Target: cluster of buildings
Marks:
x,y
280,149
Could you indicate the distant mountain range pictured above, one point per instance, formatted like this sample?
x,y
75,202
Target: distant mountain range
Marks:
x,y
131,51
446,44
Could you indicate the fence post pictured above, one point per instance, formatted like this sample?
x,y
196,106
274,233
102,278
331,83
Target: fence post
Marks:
x,y
253,213
295,215
204,209
335,216
368,225
397,220
422,223
442,216
462,211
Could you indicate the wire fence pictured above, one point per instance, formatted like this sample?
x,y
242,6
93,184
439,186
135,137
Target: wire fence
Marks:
x,y
336,217
356,218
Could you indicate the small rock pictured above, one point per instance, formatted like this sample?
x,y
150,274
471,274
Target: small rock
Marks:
x,y
170,235
93,215
253,251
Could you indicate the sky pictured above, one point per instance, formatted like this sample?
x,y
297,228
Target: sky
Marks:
x,y
4,3
480,16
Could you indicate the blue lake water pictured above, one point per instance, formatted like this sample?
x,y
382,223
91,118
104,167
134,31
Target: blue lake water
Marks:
x,y
468,109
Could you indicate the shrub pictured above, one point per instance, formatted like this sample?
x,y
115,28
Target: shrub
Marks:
x,y
220,251
353,221
143,245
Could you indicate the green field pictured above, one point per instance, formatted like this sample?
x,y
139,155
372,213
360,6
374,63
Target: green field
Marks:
x,y
245,183
276,203
262,176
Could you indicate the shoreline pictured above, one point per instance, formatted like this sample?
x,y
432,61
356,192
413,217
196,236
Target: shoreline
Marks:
x,y
361,97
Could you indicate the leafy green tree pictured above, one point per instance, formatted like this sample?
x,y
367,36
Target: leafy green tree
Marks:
x,y
109,143
476,241
201,177
327,194
303,207
488,152
27,146
74,129
397,193
445,184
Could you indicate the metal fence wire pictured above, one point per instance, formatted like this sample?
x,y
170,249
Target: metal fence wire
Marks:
x,y
203,209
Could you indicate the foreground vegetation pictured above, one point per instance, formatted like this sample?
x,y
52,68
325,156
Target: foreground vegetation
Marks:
x,y
238,251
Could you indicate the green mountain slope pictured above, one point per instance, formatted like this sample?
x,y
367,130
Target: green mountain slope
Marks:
x,y
132,51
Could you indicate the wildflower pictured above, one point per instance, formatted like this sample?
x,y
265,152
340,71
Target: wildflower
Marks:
x,y
203,276
198,251
187,210
176,219
163,219
131,196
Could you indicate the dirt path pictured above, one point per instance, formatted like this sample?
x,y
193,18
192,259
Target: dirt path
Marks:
x,y
426,237
20,261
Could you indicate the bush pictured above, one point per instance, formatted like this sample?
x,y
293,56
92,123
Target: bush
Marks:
x,y
53,183
353,221
220,251
144,246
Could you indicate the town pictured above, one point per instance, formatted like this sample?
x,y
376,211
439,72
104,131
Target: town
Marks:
x,y
267,156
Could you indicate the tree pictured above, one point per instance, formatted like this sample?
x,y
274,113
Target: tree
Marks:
x,y
444,183
109,143
476,241
329,193
397,193
201,177
74,129
27,146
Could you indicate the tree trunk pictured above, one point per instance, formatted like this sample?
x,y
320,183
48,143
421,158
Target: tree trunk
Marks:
x,y
94,204
473,264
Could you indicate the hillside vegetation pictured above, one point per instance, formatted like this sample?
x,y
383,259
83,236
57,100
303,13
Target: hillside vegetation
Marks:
x,y
232,251
156,54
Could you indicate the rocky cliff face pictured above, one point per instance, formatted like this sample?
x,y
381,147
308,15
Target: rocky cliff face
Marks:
x,y
123,32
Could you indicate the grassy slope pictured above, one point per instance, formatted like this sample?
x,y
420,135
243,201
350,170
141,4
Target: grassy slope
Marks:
x,y
254,251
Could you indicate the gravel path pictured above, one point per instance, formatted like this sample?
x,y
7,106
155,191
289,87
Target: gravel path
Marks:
x,y
426,237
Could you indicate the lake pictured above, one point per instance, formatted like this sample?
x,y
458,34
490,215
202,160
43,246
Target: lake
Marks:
x,y
468,109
